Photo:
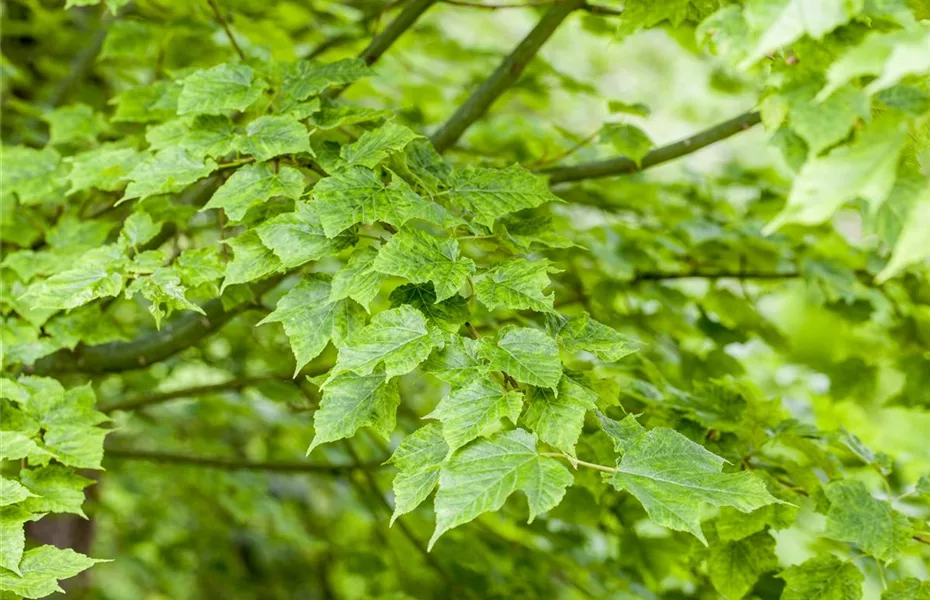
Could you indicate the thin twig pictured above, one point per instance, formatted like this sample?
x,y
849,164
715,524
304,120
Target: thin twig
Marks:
x,y
222,21
233,464
575,462
623,165
148,399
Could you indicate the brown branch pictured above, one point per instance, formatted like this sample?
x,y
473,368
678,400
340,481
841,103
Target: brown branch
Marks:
x,y
222,20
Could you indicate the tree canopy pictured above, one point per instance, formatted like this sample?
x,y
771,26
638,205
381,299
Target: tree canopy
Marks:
x,y
465,298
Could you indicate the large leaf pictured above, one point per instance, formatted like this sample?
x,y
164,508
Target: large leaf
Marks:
x,y
254,184
376,145
358,279
298,237
734,567
420,257
873,525
675,478
822,578
474,410
40,570
527,354
219,90
482,476
418,458
558,419
516,284
492,193
270,136
170,170
351,401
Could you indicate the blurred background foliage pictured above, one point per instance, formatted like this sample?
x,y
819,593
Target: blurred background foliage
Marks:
x,y
791,324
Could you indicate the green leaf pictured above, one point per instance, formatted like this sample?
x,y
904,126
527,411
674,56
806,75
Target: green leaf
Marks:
x,y
358,279
527,354
558,419
636,108
351,401
457,362
40,570
420,257
475,410
219,90
145,104
675,478
376,145
12,492
492,193
890,56
864,169
164,290
516,284
311,318
822,578
857,517
782,22
15,445
255,184
138,229
308,78
201,136
34,176
95,275
823,124
168,171
267,137
58,489
105,168
912,243
400,338
448,315
418,458
910,588
333,116
623,434
627,140
76,123
251,260
584,334
12,538
734,567
482,476
298,237
358,195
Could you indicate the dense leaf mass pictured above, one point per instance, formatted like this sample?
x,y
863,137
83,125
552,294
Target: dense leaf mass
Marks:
x,y
342,299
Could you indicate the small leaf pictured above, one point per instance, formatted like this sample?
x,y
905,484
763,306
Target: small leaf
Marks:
x,y
492,193
376,145
734,567
420,257
910,588
449,315
475,410
73,123
822,578
418,458
623,434
457,362
517,284
308,78
269,136
913,244
399,338
12,492
528,355
105,168
138,229
298,237
482,476
358,279
637,108
251,260
58,489
169,171
857,517
351,401
627,140
41,568
583,333
219,90
558,419
255,184
201,136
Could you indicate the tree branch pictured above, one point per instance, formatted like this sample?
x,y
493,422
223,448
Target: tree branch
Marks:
x,y
503,77
83,62
150,398
222,21
623,165
660,276
233,464
384,40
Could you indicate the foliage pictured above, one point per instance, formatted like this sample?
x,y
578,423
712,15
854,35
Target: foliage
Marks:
x,y
239,272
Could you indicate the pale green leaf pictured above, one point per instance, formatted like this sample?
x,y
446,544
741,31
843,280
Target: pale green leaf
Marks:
x,y
40,570
457,362
400,338
58,489
517,284
675,478
170,170
418,458
73,123
34,176
629,108
219,90
164,290
475,410
95,275
488,194
584,333
105,168
358,195
448,315
527,354
376,145
201,136
138,228
358,279
298,237
351,401
12,537
627,140
270,136
865,169
734,567
823,124
913,244
822,578
308,78
420,257
15,445
558,419
311,318
255,184
857,517
782,22
908,589
12,492
481,477
623,434
251,260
